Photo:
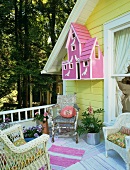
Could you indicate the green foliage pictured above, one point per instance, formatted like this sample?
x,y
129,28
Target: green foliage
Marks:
x,y
90,123
43,116
28,33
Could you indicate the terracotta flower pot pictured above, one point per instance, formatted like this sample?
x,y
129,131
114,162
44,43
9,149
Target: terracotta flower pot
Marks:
x,y
45,127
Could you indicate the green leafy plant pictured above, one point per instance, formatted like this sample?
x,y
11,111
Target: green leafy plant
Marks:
x,y
43,116
89,122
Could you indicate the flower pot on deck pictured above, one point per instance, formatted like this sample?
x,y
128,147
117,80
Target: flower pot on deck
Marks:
x,y
28,139
45,127
93,138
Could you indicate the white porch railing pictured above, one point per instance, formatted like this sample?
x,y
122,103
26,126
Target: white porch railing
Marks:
x,y
23,115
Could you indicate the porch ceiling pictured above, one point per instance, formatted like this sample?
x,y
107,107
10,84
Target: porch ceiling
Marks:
x,y
80,13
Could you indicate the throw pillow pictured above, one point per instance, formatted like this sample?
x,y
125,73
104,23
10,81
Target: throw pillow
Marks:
x,y
118,138
125,130
68,112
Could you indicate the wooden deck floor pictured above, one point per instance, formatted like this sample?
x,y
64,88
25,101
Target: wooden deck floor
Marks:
x,y
94,157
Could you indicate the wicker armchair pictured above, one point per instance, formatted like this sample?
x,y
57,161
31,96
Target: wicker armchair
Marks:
x,y
16,154
65,127
112,132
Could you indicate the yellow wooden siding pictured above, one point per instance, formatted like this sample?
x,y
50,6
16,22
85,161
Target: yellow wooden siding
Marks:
x,y
92,91
104,12
71,87
88,92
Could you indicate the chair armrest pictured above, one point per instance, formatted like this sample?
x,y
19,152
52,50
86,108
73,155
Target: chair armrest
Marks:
x,y
29,145
13,130
109,130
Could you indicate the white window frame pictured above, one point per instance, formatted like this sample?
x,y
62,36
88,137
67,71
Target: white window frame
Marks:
x,y
109,78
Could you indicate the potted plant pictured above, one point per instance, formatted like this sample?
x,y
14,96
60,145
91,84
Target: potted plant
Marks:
x,y
5,124
91,125
42,117
32,132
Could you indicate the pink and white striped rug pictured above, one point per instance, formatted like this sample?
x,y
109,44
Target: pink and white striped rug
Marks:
x,y
62,157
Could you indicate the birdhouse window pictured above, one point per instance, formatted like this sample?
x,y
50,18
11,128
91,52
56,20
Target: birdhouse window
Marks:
x,y
97,54
73,47
71,66
65,67
85,63
73,35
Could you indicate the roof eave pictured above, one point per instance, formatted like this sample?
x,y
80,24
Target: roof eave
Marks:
x,y
76,15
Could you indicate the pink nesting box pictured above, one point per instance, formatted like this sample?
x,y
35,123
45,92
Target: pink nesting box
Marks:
x,y
85,59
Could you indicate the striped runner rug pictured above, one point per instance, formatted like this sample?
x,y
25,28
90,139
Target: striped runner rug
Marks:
x,y
62,157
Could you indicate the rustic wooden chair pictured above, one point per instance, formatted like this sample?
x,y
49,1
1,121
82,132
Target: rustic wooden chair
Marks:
x,y
65,122
16,154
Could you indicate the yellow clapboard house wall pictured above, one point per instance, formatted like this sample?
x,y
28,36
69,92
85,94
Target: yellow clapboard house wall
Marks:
x,y
92,91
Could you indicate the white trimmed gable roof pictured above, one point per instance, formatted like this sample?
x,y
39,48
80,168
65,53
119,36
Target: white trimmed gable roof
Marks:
x,y
80,13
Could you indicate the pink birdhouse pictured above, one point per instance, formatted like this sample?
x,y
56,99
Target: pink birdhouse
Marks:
x,y
85,59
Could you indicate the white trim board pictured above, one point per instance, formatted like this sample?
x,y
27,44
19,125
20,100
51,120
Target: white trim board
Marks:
x,y
109,81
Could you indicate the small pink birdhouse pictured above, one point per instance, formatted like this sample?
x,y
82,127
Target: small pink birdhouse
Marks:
x,y
85,59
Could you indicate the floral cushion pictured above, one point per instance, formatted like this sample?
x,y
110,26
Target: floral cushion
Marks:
x,y
19,142
68,112
118,138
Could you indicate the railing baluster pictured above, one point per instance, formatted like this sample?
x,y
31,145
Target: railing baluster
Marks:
x,y
3,118
19,116
32,113
11,117
26,116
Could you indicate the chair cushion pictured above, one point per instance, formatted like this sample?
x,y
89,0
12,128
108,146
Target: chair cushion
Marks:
x,y
60,119
118,138
68,112
19,142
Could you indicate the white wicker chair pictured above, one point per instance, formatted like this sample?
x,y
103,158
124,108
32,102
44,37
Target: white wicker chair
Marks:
x,y
28,156
122,120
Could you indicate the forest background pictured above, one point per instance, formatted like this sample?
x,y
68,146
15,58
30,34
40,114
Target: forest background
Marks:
x,y
29,30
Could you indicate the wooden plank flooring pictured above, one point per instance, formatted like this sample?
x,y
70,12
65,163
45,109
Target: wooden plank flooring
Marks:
x,y
94,157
